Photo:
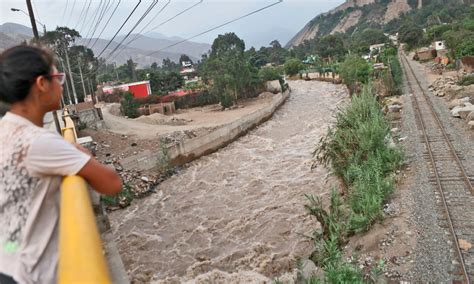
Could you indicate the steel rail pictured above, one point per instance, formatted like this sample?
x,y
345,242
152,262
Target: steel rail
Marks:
x,y
432,158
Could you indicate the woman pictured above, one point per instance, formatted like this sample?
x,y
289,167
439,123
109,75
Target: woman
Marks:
x,y
32,162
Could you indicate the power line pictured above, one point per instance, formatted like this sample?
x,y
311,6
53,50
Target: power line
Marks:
x,y
161,24
97,11
80,15
70,15
36,11
139,34
126,20
202,33
85,16
153,4
216,27
65,9
106,24
101,16
175,16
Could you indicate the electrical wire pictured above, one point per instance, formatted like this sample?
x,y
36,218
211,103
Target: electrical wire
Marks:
x,y
65,9
175,16
153,4
121,27
139,34
216,27
91,27
101,17
80,15
202,33
85,16
36,11
70,15
106,24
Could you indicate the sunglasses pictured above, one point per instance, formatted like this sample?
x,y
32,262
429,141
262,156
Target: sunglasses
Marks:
x,y
61,77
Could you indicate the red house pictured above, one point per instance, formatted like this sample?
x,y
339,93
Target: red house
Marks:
x,y
138,89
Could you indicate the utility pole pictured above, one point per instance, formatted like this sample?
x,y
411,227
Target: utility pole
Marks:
x,y
115,69
82,78
32,19
35,33
67,83
70,76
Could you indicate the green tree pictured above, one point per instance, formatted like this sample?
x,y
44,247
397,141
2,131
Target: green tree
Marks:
x,y
227,69
163,81
184,58
293,66
410,34
460,43
361,41
169,65
331,47
354,70
129,106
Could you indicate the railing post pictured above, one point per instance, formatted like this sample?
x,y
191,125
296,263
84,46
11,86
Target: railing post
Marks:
x,y
81,257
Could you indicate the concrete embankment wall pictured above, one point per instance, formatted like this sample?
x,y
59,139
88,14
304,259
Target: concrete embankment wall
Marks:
x,y
189,150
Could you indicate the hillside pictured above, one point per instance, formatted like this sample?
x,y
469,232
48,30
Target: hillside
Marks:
x,y
360,14
13,34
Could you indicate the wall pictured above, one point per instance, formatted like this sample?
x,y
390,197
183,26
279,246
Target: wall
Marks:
x,y
187,151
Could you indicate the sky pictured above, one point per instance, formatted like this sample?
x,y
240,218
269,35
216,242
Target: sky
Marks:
x,y
285,18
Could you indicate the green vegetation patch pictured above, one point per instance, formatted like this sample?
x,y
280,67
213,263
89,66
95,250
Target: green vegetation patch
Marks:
x,y
358,150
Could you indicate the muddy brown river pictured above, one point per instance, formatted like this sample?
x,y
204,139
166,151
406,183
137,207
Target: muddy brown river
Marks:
x,y
237,215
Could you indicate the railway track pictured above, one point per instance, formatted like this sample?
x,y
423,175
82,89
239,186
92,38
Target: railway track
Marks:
x,y
455,193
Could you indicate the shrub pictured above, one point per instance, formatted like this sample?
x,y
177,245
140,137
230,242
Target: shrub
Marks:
x,y
466,80
129,106
356,147
293,66
354,70
269,74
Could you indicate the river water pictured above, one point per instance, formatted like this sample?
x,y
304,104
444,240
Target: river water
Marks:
x,y
237,215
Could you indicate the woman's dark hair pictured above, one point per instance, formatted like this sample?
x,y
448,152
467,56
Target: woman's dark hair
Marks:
x,y
19,67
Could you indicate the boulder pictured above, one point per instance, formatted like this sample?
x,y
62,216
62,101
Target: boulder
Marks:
x,y
471,125
273,86
458,102
394,108
470,116
308,269
463,112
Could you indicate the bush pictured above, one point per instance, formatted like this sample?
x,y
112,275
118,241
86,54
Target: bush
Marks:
x,y
358,152
354,71
356,147
293,66
269,74
129,106
466,80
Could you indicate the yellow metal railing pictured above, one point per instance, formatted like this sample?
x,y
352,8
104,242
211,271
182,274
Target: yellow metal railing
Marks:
x,y
81,259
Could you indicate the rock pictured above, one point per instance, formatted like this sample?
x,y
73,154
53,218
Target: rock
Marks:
x,y
145,179
465,111
273,86
455,111
133,144
471,124
401,139
308,269
470,116
462,111
464,245
394,108
118,168
458,102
